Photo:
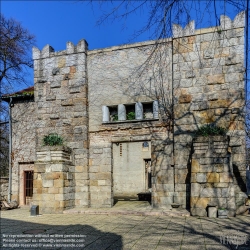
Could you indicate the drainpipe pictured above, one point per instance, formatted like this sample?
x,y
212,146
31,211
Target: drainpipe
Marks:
x,y
172,118
10,151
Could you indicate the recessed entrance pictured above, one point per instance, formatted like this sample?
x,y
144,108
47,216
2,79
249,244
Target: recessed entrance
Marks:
x,y
131,169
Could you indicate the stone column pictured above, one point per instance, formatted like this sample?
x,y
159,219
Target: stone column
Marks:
x,y
121,112
211,175
105,114
54,184
138,111
155,110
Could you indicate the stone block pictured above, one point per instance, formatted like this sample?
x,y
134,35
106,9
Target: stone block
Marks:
x,y
59,167
54,176
80,169
59,197
220,202
165,177
162,201
103,176
81,176
48,183
39,168
226,177
37,183
195,189
181,200
37,190
48,198
221,185
97,150
206,168
227,192
53,190
45,190
210,192
195,166
181,177
219,167
185,98
198,212
164,187
220,103
213,177
183,187
216,79
58,183
201,177
199,202
206,161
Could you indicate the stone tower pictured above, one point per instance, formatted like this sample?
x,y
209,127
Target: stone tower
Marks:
x,y
60,80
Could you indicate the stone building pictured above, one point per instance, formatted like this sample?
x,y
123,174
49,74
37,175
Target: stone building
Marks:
x,y
127,115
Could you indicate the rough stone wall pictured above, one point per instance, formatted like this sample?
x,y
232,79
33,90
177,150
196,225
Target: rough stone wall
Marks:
x,y
61,97
209,88
72,86
54,180
23,141
100,161
211,176
4,184
115,77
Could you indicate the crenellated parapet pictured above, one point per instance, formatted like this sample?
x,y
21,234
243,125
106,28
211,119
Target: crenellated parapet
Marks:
x,y
238,22
225,23
49,51
189,30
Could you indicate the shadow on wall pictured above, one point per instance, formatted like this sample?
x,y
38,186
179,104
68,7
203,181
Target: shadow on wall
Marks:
x,y
241,183
43,236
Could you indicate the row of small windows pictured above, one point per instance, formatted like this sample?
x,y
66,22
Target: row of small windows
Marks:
x,y
124,112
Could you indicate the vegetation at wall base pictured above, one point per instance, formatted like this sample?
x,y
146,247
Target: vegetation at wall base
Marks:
x,y
52,140
210,129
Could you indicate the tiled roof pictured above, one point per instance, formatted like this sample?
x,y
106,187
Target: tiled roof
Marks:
x,y
25,92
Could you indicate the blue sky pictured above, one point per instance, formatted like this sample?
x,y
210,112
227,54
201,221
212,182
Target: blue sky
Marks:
x,y
57,22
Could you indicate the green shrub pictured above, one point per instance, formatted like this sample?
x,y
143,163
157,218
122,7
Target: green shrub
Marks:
x,y
210,129
114,117
52,140
131,115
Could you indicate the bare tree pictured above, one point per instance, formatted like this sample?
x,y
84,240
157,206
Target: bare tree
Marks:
x,y
15,53
15,58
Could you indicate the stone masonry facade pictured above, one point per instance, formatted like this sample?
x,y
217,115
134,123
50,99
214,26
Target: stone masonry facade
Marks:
x,y
86,96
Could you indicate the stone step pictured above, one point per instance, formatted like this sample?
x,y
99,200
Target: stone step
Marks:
x,y
127,212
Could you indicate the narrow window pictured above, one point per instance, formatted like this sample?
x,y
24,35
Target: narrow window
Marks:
x,y
148,110
120,149
130,112
28,189
113,113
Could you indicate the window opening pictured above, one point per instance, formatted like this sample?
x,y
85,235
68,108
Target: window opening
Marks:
x,y
28,189
120,149
130,112
113,113
148,110
148,174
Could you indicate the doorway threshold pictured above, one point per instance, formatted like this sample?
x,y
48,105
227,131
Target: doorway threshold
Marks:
x,y
139,208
